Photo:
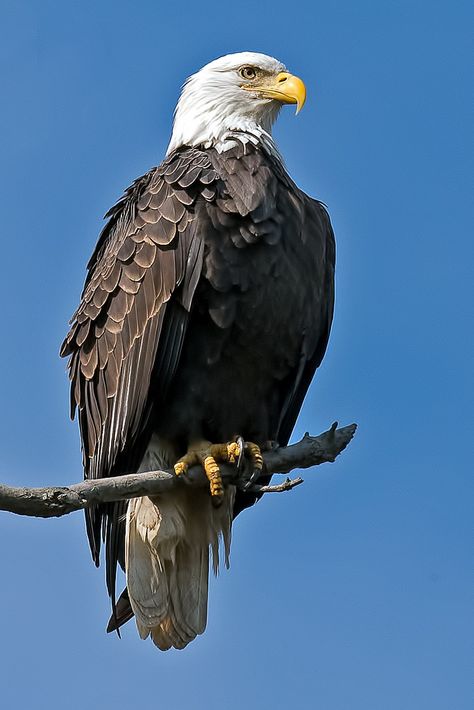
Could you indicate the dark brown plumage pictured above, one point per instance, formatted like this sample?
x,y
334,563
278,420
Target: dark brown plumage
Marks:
x,y
206,311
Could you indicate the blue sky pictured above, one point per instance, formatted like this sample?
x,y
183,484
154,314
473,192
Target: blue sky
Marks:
x,y
352,592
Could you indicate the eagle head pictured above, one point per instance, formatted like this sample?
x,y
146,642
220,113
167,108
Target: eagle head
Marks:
x,y
236,93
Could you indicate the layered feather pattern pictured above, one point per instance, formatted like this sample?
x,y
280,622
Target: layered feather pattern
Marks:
x,y
167,562
206,311
147,252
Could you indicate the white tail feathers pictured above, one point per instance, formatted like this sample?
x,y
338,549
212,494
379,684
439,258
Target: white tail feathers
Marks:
x,y
167,561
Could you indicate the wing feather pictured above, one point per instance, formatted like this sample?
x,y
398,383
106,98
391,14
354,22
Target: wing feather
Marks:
x,y
131,322
316,222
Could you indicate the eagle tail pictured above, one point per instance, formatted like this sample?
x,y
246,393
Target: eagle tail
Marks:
x,y
167,561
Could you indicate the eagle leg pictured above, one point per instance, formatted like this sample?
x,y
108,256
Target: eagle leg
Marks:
x,y
207,454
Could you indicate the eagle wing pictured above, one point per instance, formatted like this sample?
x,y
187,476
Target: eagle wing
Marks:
x,y
128,330
315,221
261,202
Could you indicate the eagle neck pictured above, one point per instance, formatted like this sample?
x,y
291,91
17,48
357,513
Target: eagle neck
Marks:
x,y
257,138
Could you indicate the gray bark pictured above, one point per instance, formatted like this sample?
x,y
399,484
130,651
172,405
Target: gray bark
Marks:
x,y
58,501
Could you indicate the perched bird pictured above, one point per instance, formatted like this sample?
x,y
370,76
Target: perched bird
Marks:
x,y
205,313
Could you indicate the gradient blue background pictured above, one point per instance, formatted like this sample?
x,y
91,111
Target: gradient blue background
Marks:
x,y
352,592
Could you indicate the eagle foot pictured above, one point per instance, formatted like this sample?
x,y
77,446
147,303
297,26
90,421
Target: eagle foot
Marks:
x,y
207,455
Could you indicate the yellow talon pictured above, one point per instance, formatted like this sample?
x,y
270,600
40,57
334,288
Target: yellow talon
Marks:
x,y
207,455
190,459
255,455
233,452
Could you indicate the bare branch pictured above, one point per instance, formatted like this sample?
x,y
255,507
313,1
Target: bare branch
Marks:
x,y
58,501
285,486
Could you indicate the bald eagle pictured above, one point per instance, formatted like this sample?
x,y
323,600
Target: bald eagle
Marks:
x,y
205,313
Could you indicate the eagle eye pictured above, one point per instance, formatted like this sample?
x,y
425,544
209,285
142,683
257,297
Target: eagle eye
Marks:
x,y
247,73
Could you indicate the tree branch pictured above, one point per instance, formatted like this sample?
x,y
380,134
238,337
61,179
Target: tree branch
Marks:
x,y
285,486
58,501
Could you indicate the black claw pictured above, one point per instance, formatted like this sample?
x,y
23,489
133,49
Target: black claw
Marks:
x,y
253,479
241,443
255,476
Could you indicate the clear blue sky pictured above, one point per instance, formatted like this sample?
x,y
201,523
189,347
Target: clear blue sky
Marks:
x,y
352,592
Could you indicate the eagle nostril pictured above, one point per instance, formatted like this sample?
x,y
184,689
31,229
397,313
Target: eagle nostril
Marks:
x,y
282,79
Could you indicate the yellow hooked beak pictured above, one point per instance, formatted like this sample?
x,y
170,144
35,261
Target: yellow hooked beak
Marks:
x,y
284,87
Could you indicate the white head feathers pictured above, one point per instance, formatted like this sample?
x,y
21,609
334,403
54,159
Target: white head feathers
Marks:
x,y
213,105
